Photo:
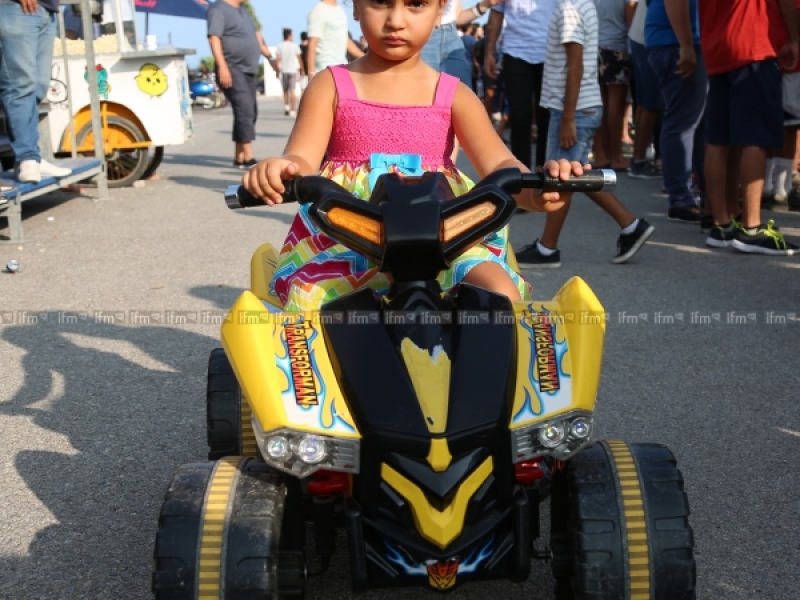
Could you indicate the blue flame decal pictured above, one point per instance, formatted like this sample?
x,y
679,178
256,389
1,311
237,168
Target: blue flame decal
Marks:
x,y
470,565
404,563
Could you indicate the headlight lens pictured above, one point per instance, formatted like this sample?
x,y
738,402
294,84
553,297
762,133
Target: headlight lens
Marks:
x,y
560,437
300,453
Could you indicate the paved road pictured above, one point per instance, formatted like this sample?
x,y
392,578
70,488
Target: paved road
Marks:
x,y
102,385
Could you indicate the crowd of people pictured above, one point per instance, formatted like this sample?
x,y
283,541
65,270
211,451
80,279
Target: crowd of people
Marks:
x,y
712,89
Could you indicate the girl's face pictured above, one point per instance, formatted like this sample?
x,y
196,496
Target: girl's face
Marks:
x,y
397,29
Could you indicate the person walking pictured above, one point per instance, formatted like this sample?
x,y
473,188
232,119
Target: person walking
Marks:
x,y
571,92
237,48
328,39
27,31
290,66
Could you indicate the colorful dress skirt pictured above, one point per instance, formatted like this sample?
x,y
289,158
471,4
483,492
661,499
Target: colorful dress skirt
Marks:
x,y
313,269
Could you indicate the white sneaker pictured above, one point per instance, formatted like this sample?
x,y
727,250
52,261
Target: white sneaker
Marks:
x,y
292,113
28,172
50,170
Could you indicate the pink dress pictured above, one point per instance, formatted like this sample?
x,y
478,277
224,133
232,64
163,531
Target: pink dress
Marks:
x,y
313,269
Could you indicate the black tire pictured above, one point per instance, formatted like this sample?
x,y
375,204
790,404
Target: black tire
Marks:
x,y
123,167
228,425
244,563
599,553
154,161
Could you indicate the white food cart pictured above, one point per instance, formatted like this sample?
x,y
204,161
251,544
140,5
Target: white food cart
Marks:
x,y
143,96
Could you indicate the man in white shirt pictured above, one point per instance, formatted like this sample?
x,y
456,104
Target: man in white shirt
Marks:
x,y
328,41
524,46
290,65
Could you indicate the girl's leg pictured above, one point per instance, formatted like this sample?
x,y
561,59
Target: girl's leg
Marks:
x,y
493,277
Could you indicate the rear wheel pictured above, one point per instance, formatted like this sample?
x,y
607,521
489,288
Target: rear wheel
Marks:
x,y
620,525
123,167
229,430
219,530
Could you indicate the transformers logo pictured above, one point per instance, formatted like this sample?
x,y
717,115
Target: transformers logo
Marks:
x,y
442,574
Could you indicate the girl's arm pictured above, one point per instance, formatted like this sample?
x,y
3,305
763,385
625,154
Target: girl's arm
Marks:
x,y
306,146
487,152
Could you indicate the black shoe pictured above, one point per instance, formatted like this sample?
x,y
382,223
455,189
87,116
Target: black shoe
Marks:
x,y
793,199
629,243
245,164
720,237
684,214
644,170
766,240
706,223
530,257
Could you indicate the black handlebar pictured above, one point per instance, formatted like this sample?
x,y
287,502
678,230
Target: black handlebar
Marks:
x,y
512,181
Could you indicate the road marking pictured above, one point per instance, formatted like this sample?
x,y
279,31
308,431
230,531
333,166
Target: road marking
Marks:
x,y
789,431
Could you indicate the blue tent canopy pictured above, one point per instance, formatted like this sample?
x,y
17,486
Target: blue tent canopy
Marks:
x,y
193,9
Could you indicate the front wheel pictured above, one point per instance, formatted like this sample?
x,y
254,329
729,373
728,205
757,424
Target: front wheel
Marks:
x,y
123,166
620,525
218,533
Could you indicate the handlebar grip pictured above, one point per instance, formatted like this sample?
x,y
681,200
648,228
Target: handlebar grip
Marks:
x,y
591,181
236,196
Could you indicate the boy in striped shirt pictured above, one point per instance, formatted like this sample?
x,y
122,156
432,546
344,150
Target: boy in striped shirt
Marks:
x,y
571,92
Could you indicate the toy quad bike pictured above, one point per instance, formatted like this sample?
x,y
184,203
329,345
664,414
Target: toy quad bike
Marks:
x,y
429,425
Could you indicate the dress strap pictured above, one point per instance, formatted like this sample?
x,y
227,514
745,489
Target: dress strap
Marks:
x,y
446,90
344,83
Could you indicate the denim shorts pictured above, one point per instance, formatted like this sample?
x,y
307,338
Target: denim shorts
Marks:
x,y
587,120
745,108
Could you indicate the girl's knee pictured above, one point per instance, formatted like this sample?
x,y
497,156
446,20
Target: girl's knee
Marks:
x,y
493,277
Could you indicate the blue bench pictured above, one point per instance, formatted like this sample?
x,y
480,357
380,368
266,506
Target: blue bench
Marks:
x,y
11,199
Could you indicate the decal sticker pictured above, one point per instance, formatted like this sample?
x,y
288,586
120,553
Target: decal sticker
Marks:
x,y
441,573
306,395
305,384
151,80
103,87
548,385
546,365
57,90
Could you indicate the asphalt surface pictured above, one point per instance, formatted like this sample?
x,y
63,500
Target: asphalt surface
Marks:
x,y
107,328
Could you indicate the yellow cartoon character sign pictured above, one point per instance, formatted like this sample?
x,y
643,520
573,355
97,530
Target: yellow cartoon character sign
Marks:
x,y
151,80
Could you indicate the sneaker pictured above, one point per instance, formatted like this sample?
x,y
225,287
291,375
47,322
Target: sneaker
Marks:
x,y
793,199
28,172
246,164
720,237
643,170
629,243
293,113
706,223
47,169
767,199
530,258
766,240
684,214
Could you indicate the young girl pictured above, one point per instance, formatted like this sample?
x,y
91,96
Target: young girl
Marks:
x,y
389,102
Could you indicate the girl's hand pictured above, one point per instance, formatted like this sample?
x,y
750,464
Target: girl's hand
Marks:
x,y
265,180
563,169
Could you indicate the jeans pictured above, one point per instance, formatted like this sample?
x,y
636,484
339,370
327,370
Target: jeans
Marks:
x,y
587,120
26,56
445,52
684,102
523,83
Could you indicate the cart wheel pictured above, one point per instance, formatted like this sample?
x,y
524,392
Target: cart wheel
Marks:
x,y
621,528
218,532
155,158
227,412
123,167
